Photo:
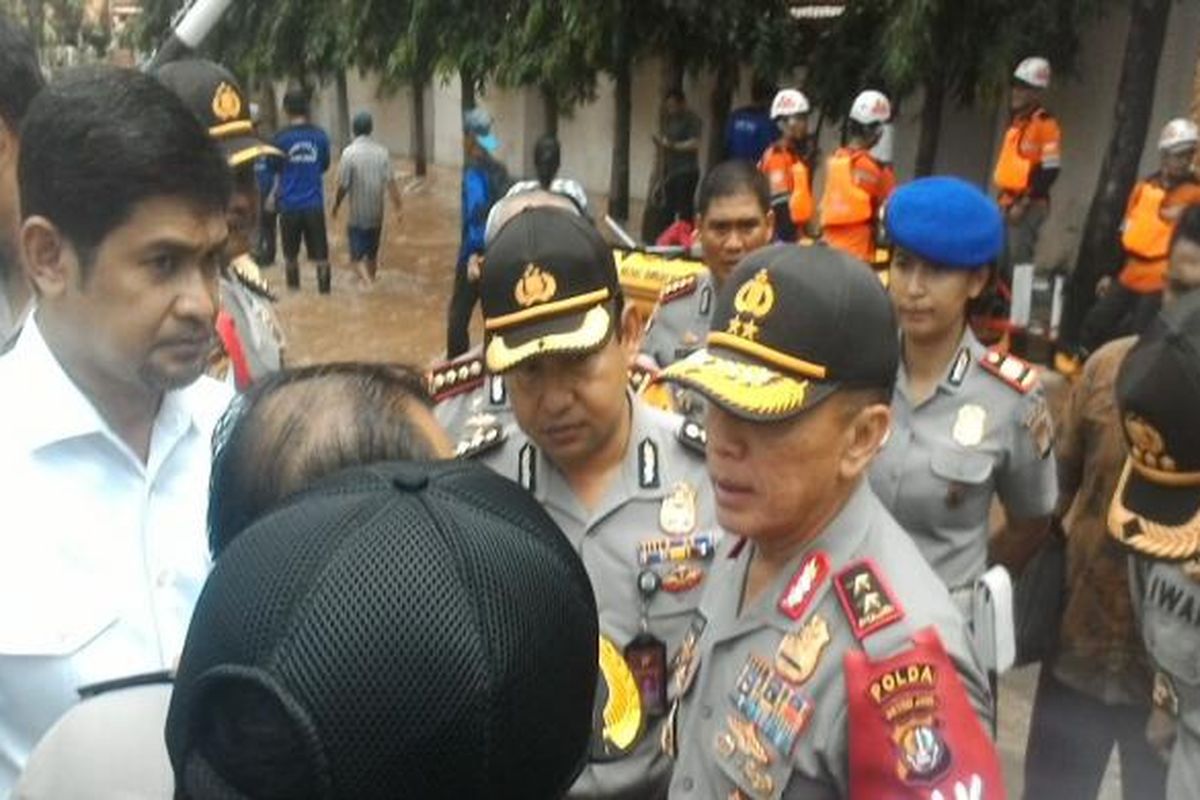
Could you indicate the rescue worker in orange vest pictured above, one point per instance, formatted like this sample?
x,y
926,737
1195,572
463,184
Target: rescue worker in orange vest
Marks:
x,y
856,185
785,163
1028,163
1130,302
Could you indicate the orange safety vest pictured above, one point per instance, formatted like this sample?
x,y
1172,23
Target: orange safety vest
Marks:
x,y
1146,236
787,177
848,206
1028,142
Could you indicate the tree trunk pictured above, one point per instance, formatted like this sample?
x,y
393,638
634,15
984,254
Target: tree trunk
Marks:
x,y
342,127
467,78
721,100
551,110
1099,250
420,160
931,125
618,184
268,105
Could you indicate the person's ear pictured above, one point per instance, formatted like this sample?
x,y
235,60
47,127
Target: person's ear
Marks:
x,y
633,329
865,435
48,257
977,282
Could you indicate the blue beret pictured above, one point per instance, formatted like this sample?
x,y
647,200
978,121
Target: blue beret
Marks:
x,y
946,221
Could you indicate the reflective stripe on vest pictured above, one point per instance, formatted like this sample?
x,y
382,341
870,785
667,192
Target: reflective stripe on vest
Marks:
x,y
844,201
1147,235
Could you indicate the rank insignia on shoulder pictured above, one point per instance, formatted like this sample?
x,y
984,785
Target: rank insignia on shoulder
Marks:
x,y
681,287
868,603
802,588
692,435
482,440
455,377
667,550
800,651
1020,375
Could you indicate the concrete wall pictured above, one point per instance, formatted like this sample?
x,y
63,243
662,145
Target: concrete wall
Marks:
x,y
1083,102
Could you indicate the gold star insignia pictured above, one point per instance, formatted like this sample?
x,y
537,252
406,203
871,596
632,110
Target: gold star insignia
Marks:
x,y
735,326
749,329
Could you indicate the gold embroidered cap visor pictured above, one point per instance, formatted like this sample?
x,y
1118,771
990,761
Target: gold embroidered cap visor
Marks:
x,y
749,380
1156,519
569,331
244,149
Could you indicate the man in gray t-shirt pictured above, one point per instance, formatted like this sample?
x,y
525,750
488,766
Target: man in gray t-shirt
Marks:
x,y
363,173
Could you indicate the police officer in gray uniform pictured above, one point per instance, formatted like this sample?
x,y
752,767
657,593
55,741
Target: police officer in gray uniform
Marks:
x,y
1156,514
826,659
625,482
733,218
968,423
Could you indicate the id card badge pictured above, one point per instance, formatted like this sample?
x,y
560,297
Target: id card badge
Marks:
x,y
646,656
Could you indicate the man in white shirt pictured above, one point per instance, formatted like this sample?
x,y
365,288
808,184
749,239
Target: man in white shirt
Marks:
x,y
105,422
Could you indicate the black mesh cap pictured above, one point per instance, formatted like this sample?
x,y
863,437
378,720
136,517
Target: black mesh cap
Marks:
x,y
792,325
399,630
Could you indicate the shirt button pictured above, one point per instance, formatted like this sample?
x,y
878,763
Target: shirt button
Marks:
x,y
688,784
706,712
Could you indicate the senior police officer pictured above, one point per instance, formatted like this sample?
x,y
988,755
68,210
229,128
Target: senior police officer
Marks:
x,y
624,481
826,660
968,423
1155,512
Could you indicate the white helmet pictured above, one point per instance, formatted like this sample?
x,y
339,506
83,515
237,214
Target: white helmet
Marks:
x,y
870,108
1179,134
788,103
1033,71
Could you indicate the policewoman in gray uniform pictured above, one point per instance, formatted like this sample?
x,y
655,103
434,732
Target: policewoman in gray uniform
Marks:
x,y
968,423
625,482
1155,512
826,659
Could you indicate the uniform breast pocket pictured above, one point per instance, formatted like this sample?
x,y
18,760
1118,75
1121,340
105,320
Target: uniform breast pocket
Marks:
x,y
964,481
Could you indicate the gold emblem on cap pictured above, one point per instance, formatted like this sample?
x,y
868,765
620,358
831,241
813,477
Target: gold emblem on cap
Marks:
x,y
535,286
754,300
1147,445
227,103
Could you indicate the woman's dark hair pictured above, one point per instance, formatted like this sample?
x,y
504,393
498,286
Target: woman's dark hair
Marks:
x,y
547,157
100,141
298,425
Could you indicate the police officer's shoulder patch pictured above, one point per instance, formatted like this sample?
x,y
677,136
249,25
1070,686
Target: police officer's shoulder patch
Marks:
x,y
866,599
680,287
691,434
1018,374
452,378
482,440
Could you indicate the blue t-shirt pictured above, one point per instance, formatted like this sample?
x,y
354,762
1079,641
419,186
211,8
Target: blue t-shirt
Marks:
x,y
748,133
306,157
264,174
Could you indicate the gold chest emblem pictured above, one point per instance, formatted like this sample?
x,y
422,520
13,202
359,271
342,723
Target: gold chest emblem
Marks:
x,y
535,286
226,104
969,425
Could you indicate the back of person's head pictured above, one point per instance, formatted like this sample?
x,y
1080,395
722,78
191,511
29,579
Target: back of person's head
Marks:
x,y
100,141
511,205
730,178
547,157
295,102
297,425
20,76
363,124
399,630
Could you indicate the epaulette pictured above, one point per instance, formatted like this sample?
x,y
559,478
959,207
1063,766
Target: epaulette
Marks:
x,y
1020,375
866,599
455,377
680,287
247,273
482,440
691,434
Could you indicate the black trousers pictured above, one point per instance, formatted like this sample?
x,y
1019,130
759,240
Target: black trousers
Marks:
x,y
307,225
458,319
1119,313
679,192
267,226
1071,737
